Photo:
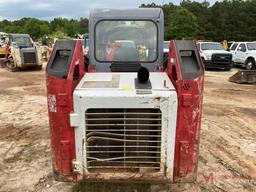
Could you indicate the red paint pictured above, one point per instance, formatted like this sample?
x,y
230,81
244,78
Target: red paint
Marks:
x,y
62,135
190,97
190,94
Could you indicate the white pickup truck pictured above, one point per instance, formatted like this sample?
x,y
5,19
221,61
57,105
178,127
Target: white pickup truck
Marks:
x,y
244,54
214,55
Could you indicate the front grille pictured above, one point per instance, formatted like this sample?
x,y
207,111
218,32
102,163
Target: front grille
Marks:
x,y
222,58
29,57
123,139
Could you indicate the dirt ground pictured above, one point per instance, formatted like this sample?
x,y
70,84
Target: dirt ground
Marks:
x,y
228,137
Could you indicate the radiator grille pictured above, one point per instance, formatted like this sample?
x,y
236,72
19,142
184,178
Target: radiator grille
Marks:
x,y
29,57
222,58
123,139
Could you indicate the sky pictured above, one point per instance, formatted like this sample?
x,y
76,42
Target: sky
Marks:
x,y
49,9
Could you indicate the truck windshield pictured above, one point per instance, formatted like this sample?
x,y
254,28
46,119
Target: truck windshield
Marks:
x,y
251,46
211,46
126,41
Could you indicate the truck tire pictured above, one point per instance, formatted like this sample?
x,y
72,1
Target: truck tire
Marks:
x,y
250,64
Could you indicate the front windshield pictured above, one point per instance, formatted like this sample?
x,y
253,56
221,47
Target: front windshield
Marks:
x,y
251,46
211,46
22,41
126,41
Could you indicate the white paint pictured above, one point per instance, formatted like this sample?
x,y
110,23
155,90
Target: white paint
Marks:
x,y
74,120
126,79
163,98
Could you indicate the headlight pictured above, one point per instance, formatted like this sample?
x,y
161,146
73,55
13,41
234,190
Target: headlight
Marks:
x,y
208,57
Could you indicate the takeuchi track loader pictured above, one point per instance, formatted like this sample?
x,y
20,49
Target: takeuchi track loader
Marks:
x,y
22,53
131,116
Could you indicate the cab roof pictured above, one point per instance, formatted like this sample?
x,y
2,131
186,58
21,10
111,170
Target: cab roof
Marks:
x,y
137,13
201,42
19,35
244,42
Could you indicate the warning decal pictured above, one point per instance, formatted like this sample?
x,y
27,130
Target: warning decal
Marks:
x,y
52,103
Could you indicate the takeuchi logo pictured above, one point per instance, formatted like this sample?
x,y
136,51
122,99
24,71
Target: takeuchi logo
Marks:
x,y
211,178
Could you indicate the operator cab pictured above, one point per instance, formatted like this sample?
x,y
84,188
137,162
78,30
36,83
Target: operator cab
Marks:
x,y
125,40
21,40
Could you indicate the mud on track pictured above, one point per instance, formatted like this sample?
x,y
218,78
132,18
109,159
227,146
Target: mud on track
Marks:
x,y
227,159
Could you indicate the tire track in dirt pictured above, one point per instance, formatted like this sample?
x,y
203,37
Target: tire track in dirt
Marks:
x,y
227,148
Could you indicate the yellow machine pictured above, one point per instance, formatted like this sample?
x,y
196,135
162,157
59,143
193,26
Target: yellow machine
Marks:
x,y
225,44
4,48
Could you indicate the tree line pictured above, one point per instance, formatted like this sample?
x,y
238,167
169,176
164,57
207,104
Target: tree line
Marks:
x,y
228,19
58,27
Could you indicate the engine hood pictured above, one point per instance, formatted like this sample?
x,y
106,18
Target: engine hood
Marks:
x,y
210,52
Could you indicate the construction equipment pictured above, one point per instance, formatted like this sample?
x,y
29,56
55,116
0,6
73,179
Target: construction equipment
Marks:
x,y
23,53
4,48
225,44
130,118
244,76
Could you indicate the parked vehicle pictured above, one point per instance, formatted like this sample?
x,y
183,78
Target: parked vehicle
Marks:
x,y
166,52
111,48
166,46
23,53
4,48
244,54
86,46
215,56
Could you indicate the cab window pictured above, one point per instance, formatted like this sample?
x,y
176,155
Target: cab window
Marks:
x,y
242,47
126,41
233,47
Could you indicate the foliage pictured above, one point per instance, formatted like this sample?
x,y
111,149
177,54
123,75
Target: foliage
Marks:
x,y
183,25
36,28
60,35
57,28
228,19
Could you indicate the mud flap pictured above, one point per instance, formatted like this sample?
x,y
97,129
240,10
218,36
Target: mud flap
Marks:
x,y
64,71
186,71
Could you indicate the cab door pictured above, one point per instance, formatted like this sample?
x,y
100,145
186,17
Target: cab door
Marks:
x,y
240,54
232,50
